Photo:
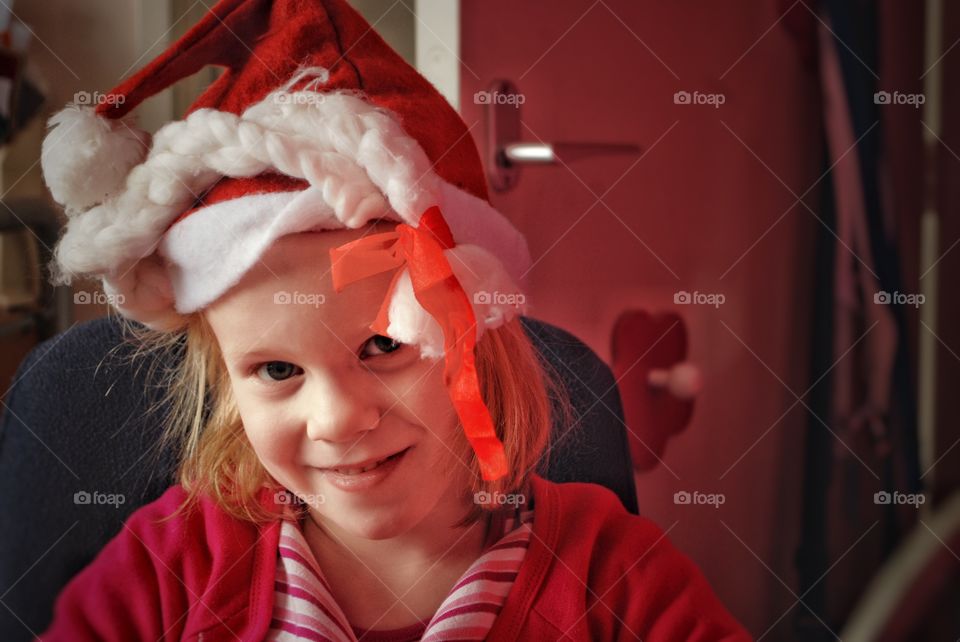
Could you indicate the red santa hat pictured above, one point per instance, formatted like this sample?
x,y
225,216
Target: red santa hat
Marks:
x,y
316,123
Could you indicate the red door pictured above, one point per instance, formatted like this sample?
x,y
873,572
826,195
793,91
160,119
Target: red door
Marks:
x,y
709,208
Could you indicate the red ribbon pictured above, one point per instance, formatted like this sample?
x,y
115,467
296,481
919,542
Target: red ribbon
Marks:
x,y
420,250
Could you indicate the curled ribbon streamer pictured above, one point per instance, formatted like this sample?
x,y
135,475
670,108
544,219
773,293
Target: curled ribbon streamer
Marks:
x,y
440,293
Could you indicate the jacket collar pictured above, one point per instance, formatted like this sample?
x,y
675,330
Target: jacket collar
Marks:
x,y
524,601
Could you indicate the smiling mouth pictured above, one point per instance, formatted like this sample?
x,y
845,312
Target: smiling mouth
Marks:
x,y
358,470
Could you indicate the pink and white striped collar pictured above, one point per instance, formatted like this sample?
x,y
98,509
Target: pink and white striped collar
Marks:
x,y
305,609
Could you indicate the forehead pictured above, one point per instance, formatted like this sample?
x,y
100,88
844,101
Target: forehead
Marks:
x,y
288,296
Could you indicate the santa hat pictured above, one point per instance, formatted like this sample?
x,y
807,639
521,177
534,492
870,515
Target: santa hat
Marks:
x,y
316,123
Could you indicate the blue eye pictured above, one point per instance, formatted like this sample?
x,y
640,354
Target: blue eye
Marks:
x,y
276,370
378,345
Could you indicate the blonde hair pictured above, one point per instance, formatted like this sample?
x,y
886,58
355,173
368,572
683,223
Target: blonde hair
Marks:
x,y
214,457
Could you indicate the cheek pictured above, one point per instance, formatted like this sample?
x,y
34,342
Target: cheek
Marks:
x,y
426,403
425,398
272,437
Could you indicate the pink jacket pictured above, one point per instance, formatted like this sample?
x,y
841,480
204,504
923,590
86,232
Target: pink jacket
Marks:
x,y
208,577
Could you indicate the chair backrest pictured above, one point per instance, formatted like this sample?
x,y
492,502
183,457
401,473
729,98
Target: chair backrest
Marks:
x,y
75,422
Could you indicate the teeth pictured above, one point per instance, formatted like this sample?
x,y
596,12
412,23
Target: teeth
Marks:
x,y
355,471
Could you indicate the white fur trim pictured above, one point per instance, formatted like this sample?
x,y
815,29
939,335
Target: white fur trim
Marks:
x,y
473,221
210,250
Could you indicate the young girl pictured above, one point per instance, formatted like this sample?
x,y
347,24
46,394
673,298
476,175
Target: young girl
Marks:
x,y
359,411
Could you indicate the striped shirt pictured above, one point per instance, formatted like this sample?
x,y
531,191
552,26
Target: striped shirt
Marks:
x,y
304,607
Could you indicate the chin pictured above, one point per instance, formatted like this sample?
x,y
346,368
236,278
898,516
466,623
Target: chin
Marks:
x,y
374,523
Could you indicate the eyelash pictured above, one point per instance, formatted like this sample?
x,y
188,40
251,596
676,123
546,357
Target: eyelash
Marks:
x,y
255,369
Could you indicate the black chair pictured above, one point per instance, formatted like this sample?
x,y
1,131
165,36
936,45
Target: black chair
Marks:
x,y
76,420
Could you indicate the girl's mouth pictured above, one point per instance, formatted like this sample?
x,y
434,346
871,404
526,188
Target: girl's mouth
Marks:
x,y
360,479
373,466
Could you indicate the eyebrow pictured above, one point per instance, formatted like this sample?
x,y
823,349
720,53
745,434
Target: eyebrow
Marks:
x,y
362,331
250,355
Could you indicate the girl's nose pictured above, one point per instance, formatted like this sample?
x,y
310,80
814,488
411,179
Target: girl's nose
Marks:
x,y
339,411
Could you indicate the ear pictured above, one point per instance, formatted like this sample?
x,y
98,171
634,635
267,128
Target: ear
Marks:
x,y
144,293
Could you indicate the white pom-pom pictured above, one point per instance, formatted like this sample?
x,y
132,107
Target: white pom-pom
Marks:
x,y
410,323
86,158
494,294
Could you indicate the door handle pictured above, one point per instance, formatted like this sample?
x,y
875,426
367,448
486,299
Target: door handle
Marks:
x,y
506,153
683,380
658,384
555,153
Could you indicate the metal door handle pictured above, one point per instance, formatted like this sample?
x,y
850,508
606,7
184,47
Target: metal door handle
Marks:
x,y
506,153
555,153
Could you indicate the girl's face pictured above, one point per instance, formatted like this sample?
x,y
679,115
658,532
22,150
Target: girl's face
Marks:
x,y
318,391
